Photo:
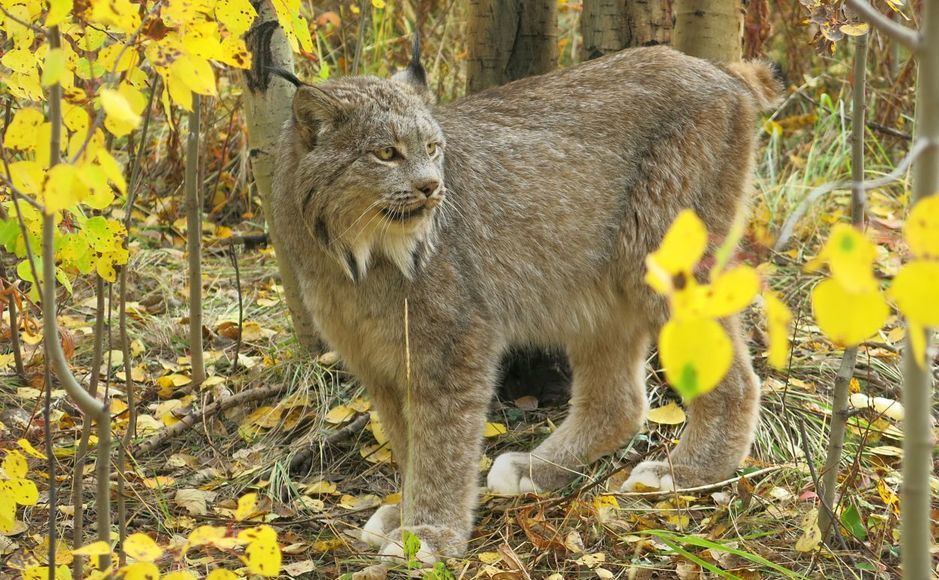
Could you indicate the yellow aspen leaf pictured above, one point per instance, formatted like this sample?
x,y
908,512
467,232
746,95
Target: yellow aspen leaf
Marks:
x,y
778,317
850,255
112,169
62,572
681,249
7,512
53,68
194,73
855,29
811,534
847,318
63,188
108,57
918,343
378,4
262,554
247,506
236,15
320,487
340,414
123,15
120,117
27,176
376,453
23,491
140,571
206,535
14,465
234,52
922,228
670,414
915,289
378,431
59,12
219,574
30,450
142,547
691,369
494,430
301,29
20,60
729,293
99,548
354,502
21,134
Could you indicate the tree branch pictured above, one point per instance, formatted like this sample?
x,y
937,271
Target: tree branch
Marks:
x,y
890,28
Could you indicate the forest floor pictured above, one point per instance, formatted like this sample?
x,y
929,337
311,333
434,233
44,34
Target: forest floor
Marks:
x,y
753,526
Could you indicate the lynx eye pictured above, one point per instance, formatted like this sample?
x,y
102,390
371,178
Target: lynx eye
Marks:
x,y
431,149
386,153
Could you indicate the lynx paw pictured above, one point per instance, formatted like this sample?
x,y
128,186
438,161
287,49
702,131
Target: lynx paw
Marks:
x,y
436,543
511,474
650,475
377,530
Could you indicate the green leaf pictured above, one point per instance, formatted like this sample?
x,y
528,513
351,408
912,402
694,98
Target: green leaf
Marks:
x,y
851,520
412,545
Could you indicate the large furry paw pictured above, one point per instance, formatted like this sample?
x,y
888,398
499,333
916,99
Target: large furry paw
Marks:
x,y
650,476
511,474
436,543
377,530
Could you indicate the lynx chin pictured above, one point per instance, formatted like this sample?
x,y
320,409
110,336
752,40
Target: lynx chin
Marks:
x,y
517,216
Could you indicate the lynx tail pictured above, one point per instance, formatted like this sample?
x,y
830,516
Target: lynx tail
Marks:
x,y
764,79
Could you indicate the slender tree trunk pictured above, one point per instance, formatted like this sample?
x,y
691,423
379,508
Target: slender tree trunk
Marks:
x,y
194,242
267,107
918,441
710,29
509,40
608,26
839,405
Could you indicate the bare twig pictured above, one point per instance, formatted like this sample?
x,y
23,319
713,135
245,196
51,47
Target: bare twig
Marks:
x,y
50,467
347,432
194,243
892,29
920,146
192,418
233,252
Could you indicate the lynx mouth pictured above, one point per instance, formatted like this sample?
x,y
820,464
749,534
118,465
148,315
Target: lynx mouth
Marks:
x,y
404,214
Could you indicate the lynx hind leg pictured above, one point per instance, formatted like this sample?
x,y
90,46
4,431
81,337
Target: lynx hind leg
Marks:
x,y
377,530
720,430
607,407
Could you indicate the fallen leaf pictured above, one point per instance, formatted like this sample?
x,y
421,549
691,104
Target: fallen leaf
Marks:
x,y
670,414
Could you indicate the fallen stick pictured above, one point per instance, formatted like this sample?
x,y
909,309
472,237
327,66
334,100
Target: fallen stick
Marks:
x,y
189,421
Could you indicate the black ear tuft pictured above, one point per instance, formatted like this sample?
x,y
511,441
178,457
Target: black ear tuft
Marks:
x,y
286,75
779,73
414,74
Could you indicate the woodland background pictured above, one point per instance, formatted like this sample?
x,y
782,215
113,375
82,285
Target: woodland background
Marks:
x,y
213,398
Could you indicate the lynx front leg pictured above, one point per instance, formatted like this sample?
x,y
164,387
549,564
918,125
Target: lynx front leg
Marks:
x,y
377,530
445,413
720,429
608,405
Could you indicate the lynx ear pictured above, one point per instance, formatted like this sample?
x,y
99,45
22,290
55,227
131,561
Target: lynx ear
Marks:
x,y
312,108
414,74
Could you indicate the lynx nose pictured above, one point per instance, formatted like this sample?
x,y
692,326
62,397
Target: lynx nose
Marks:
x,y
427,187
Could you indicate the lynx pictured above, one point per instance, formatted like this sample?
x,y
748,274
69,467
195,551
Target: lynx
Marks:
x,y
429,239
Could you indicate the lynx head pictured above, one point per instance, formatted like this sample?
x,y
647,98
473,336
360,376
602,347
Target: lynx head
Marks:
x,y
369,176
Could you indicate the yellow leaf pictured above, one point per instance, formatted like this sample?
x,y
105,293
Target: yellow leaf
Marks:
x,y
778,317
811,534
142,547
21,134
194,73
340,414
22,491
922,228
681,249
379,4
27,176
7,512
59,12
30,450
855,29
354,502
320,487
20,60
141,571
494,430
121,118
670,414
377,453
181,575
206,535
99,548
247,506
689,368
53,68
847,318
489,557
219,574
850,255
14,465
262,554
63,188
236,15
729,293
916,291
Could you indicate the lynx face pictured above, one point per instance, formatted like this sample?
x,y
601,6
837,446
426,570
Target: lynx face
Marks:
x,y
370,170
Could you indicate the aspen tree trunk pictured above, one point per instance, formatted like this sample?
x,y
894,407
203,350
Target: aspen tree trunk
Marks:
x,y
710,29
267,105
509,40
608,26
918,441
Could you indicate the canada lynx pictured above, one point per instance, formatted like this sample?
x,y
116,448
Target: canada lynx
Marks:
x,y
519,215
